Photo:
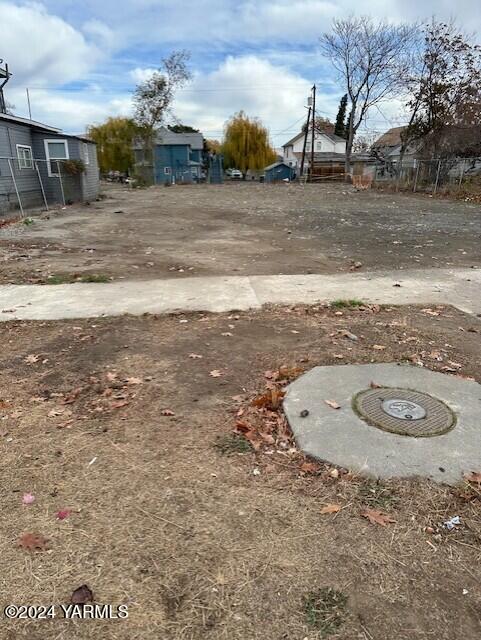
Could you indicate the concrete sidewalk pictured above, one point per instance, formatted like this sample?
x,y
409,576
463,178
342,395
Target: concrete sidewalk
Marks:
x,y
460,287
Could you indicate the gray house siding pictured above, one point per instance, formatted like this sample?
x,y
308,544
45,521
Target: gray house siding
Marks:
x,y
91,177
27,179
53,188
75,188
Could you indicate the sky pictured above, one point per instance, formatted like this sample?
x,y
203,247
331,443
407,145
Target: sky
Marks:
x,y
82,59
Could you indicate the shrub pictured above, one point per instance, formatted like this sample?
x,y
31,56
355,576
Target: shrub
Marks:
x,y
73,167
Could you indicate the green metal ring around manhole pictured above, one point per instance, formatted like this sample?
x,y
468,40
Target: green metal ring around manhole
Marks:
x,y
405,412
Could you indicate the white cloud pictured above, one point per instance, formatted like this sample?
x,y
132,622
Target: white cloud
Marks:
x,y
42,48
141,75
70,112
272,93
100,33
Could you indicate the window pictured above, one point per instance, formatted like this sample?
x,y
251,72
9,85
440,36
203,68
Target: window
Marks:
x,y
55,150
167,171
318,146
308,146
24,156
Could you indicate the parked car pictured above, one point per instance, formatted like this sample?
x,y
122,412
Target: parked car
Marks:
x,y
234,174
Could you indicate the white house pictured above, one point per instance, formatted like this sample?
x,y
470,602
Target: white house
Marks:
x,y
327,146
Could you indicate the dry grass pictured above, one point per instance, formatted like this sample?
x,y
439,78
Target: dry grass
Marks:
x,y
201,544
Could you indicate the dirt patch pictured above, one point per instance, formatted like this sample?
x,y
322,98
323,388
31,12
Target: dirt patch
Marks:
x,y
241,229
119,423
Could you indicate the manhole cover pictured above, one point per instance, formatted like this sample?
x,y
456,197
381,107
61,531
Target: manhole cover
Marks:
x,y
405,412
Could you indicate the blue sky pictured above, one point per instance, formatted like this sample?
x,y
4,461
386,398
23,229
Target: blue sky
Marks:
x,y
81,60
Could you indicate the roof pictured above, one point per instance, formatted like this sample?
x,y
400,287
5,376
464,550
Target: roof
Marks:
x,y
332,136
392,138
43,127
29,123
276,164
194,140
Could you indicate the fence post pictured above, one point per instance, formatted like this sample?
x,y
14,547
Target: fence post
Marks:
x,y
61,184
418,163
437,177
461,174
15,185
41,185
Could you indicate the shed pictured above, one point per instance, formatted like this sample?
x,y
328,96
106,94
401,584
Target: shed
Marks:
x,y
278,171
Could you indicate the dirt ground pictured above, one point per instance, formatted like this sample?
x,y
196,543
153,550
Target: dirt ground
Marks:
x,y
240,229
121,422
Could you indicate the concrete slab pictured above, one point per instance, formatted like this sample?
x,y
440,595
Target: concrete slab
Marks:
x,y
52,302
343,438
425,286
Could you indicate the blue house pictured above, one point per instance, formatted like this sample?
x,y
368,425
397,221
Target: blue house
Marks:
x,y
177,158
278,171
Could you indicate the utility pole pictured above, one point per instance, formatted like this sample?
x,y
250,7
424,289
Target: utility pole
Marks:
x,y
4,77
28,101
313,137
305,143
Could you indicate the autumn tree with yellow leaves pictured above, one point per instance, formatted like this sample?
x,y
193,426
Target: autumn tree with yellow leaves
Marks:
x,y
114,140
246,144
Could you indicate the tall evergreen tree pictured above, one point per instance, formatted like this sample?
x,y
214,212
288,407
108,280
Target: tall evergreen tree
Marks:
x,y
340,128
348,126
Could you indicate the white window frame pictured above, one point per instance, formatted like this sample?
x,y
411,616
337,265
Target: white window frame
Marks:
x,y
47,155
318,145
86,153
26,162
167,171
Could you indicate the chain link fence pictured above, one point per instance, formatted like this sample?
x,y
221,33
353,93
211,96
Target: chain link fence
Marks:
x,y
29,183
430,176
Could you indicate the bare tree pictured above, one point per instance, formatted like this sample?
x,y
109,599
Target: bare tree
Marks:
x,y
371,58
444,93
153,98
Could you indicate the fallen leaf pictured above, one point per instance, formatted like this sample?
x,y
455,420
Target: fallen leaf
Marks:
x,y
59,412
474,476
28,498
62,514
215,373
271,399
167,412
226,334
333,404
119,404
133,380
111,376
374,385
378,347
72,396
82,595
195,356
331,508
430,312
30,359
377,517
32,542
309,467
